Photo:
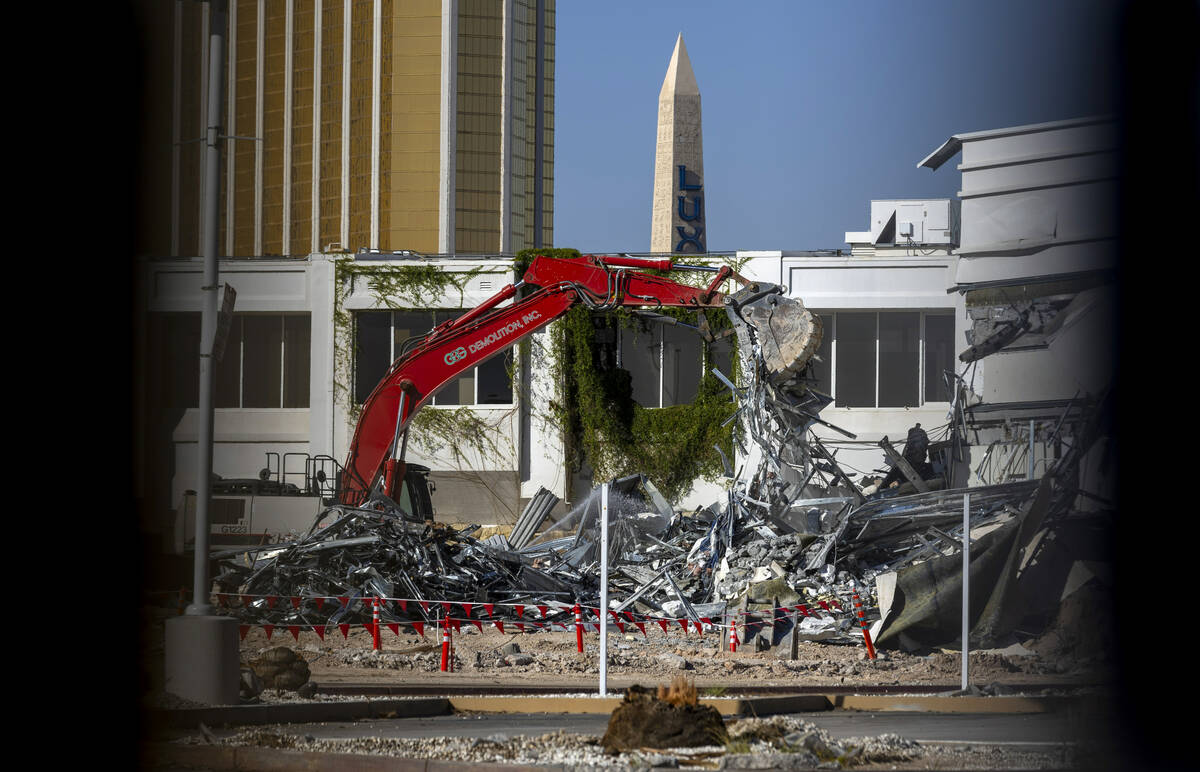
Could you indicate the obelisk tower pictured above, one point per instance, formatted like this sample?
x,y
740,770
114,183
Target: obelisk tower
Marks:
x,y
677,224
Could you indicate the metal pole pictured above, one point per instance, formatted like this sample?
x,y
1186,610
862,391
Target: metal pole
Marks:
x,y
603,590
208,318
966,587
1030,450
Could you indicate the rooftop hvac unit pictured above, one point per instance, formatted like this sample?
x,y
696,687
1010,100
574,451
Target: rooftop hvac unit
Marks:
x,y
914,221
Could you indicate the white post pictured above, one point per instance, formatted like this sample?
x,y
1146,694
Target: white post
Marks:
x,y
966,586
604,590
1031,430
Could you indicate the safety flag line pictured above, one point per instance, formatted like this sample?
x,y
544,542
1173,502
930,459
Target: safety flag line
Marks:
x,y
592,612
592,624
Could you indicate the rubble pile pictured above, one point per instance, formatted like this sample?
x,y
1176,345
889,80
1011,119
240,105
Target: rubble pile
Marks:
x,y
793,528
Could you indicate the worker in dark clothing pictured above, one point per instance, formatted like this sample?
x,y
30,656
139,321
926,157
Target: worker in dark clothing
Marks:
x,y
916,445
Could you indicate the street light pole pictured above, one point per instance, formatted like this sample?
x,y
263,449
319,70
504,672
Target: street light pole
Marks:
x,y
201,660
208,315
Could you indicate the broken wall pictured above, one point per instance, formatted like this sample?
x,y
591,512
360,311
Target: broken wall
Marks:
x,y
1079,358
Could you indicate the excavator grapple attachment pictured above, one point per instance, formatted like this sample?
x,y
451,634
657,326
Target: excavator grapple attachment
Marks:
x,y
787,332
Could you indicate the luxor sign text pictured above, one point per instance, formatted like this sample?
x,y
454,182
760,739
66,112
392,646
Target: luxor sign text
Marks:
x,y
696,213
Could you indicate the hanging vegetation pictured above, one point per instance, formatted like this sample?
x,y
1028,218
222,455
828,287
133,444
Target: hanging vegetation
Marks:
x,y
460,433
401,288
606,429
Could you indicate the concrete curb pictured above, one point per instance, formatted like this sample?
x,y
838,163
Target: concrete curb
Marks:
x,y
300,712
726,706
963,704
313,712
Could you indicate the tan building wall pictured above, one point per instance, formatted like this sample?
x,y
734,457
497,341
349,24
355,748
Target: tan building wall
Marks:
x,y
415,94
374,118
480,77
332,92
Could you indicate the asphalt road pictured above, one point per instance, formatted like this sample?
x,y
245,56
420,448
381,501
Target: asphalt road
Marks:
x,y
1035,730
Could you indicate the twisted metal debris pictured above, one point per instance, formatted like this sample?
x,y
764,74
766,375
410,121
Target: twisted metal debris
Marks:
x,y
792,523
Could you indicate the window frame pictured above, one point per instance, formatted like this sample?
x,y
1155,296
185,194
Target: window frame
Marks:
x,y
921,369
238,318
393,353
658,331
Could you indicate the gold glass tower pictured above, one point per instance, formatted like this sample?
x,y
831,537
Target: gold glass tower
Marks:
x,y
425,125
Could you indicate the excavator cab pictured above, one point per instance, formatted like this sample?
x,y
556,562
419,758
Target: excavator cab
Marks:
x,y
414,496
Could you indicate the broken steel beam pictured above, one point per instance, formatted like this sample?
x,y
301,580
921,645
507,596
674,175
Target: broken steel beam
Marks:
x,y
905,467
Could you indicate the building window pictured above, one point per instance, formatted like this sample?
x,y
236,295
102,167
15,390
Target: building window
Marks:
x,y
265,365
173,349
266,362
666,362
885,358
379,338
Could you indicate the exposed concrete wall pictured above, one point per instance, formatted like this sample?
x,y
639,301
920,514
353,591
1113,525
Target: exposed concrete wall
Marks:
x,y
321,364
546,448
1080,359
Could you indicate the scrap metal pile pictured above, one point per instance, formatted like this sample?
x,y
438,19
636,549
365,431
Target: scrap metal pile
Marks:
x,y
793,526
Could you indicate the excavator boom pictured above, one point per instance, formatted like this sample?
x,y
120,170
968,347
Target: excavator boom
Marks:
x,y
454,346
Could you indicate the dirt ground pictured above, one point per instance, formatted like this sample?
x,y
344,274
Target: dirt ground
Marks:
x,y
551,658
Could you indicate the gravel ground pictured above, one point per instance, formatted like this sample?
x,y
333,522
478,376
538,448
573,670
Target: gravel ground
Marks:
x,y
779,742
658,656
551,658
651,658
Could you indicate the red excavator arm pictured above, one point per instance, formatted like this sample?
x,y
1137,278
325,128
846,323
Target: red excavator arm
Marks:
x,y
452,347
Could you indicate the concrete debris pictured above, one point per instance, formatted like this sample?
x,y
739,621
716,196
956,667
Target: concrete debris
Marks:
x,y
518,660
250,685
674,660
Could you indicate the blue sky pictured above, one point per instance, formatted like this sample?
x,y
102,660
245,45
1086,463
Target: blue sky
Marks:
x,y
810,109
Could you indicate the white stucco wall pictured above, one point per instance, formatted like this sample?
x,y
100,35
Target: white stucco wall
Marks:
x,y
496,273
242,437
1039,202
1078,360
878,283
546,449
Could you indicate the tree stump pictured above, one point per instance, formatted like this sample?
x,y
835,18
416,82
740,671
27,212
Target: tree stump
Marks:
x,y
642,720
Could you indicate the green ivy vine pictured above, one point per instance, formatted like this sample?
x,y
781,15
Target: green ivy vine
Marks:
x,y
456,431
615,436
403,287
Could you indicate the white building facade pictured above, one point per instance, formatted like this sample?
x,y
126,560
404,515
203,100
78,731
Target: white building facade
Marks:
x,y
890,327
311,337
1037,272
1033,230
